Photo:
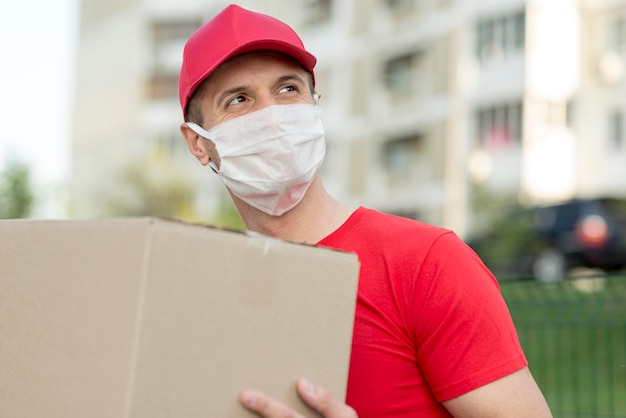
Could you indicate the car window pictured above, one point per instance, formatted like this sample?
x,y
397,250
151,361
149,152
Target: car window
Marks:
x,y
615,208
567,215
545,218
557,218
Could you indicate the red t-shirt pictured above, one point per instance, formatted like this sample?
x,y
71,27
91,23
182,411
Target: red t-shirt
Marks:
x,y
430,321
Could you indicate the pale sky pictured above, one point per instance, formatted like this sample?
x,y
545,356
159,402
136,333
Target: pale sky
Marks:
x,y
38,40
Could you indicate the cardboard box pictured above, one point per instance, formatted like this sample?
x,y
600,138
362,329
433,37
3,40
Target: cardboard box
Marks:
x,y
153,318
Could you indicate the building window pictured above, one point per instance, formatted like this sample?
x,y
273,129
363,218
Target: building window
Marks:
x,y
317,11
398,73
162,86
498,127
616,36
173,30
167,36
407,75
401,10
499,37
400,5
399,154
616,129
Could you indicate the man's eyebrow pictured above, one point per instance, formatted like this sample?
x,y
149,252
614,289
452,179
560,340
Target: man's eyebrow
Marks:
x,y
290,77
230,91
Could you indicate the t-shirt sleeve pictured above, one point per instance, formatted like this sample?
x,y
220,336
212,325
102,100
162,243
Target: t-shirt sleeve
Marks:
x,y
465,336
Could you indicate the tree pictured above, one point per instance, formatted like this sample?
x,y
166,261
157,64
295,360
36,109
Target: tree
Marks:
x,y
151,186
227,216
16,195
158,185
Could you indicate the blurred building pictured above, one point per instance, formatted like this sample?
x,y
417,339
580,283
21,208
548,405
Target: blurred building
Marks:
x,y
599,105
424,100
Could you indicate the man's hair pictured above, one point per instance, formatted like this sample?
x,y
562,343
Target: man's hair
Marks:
x,y
194,108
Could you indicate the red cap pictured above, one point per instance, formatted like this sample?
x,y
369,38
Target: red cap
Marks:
x,y
234,31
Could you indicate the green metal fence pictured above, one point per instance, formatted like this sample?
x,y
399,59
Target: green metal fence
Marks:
x,y
574,336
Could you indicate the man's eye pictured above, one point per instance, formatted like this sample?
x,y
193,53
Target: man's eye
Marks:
x,y
288,89
236,100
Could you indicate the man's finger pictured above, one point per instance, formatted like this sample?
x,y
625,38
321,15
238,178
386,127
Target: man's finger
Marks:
x,y
323,402
264,406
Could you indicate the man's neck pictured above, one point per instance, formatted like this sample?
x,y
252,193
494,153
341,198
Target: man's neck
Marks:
x,y
314,218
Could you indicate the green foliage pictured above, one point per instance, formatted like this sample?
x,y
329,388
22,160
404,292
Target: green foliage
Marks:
x,y
158,185
152,186
489,207
228,217
502,232
16,195
508,234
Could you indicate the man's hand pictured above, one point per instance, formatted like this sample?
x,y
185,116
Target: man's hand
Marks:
x,y
319,399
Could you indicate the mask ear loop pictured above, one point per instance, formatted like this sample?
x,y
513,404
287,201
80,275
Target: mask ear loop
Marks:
x,y
203,133
316,98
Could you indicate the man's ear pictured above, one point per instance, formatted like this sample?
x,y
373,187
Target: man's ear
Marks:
x,y
197,145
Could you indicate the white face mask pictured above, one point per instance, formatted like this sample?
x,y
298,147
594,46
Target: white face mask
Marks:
x,y
268,158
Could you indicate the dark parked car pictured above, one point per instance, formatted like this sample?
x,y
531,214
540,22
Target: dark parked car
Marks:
x,y
547,241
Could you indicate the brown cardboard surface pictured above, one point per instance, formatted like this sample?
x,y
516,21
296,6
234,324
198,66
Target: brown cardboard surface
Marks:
x,y
154,318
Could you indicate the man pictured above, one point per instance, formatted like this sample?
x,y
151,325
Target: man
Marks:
x,y
432,336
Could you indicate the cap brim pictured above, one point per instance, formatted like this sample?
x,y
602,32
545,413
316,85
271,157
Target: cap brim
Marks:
x,y
305,59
